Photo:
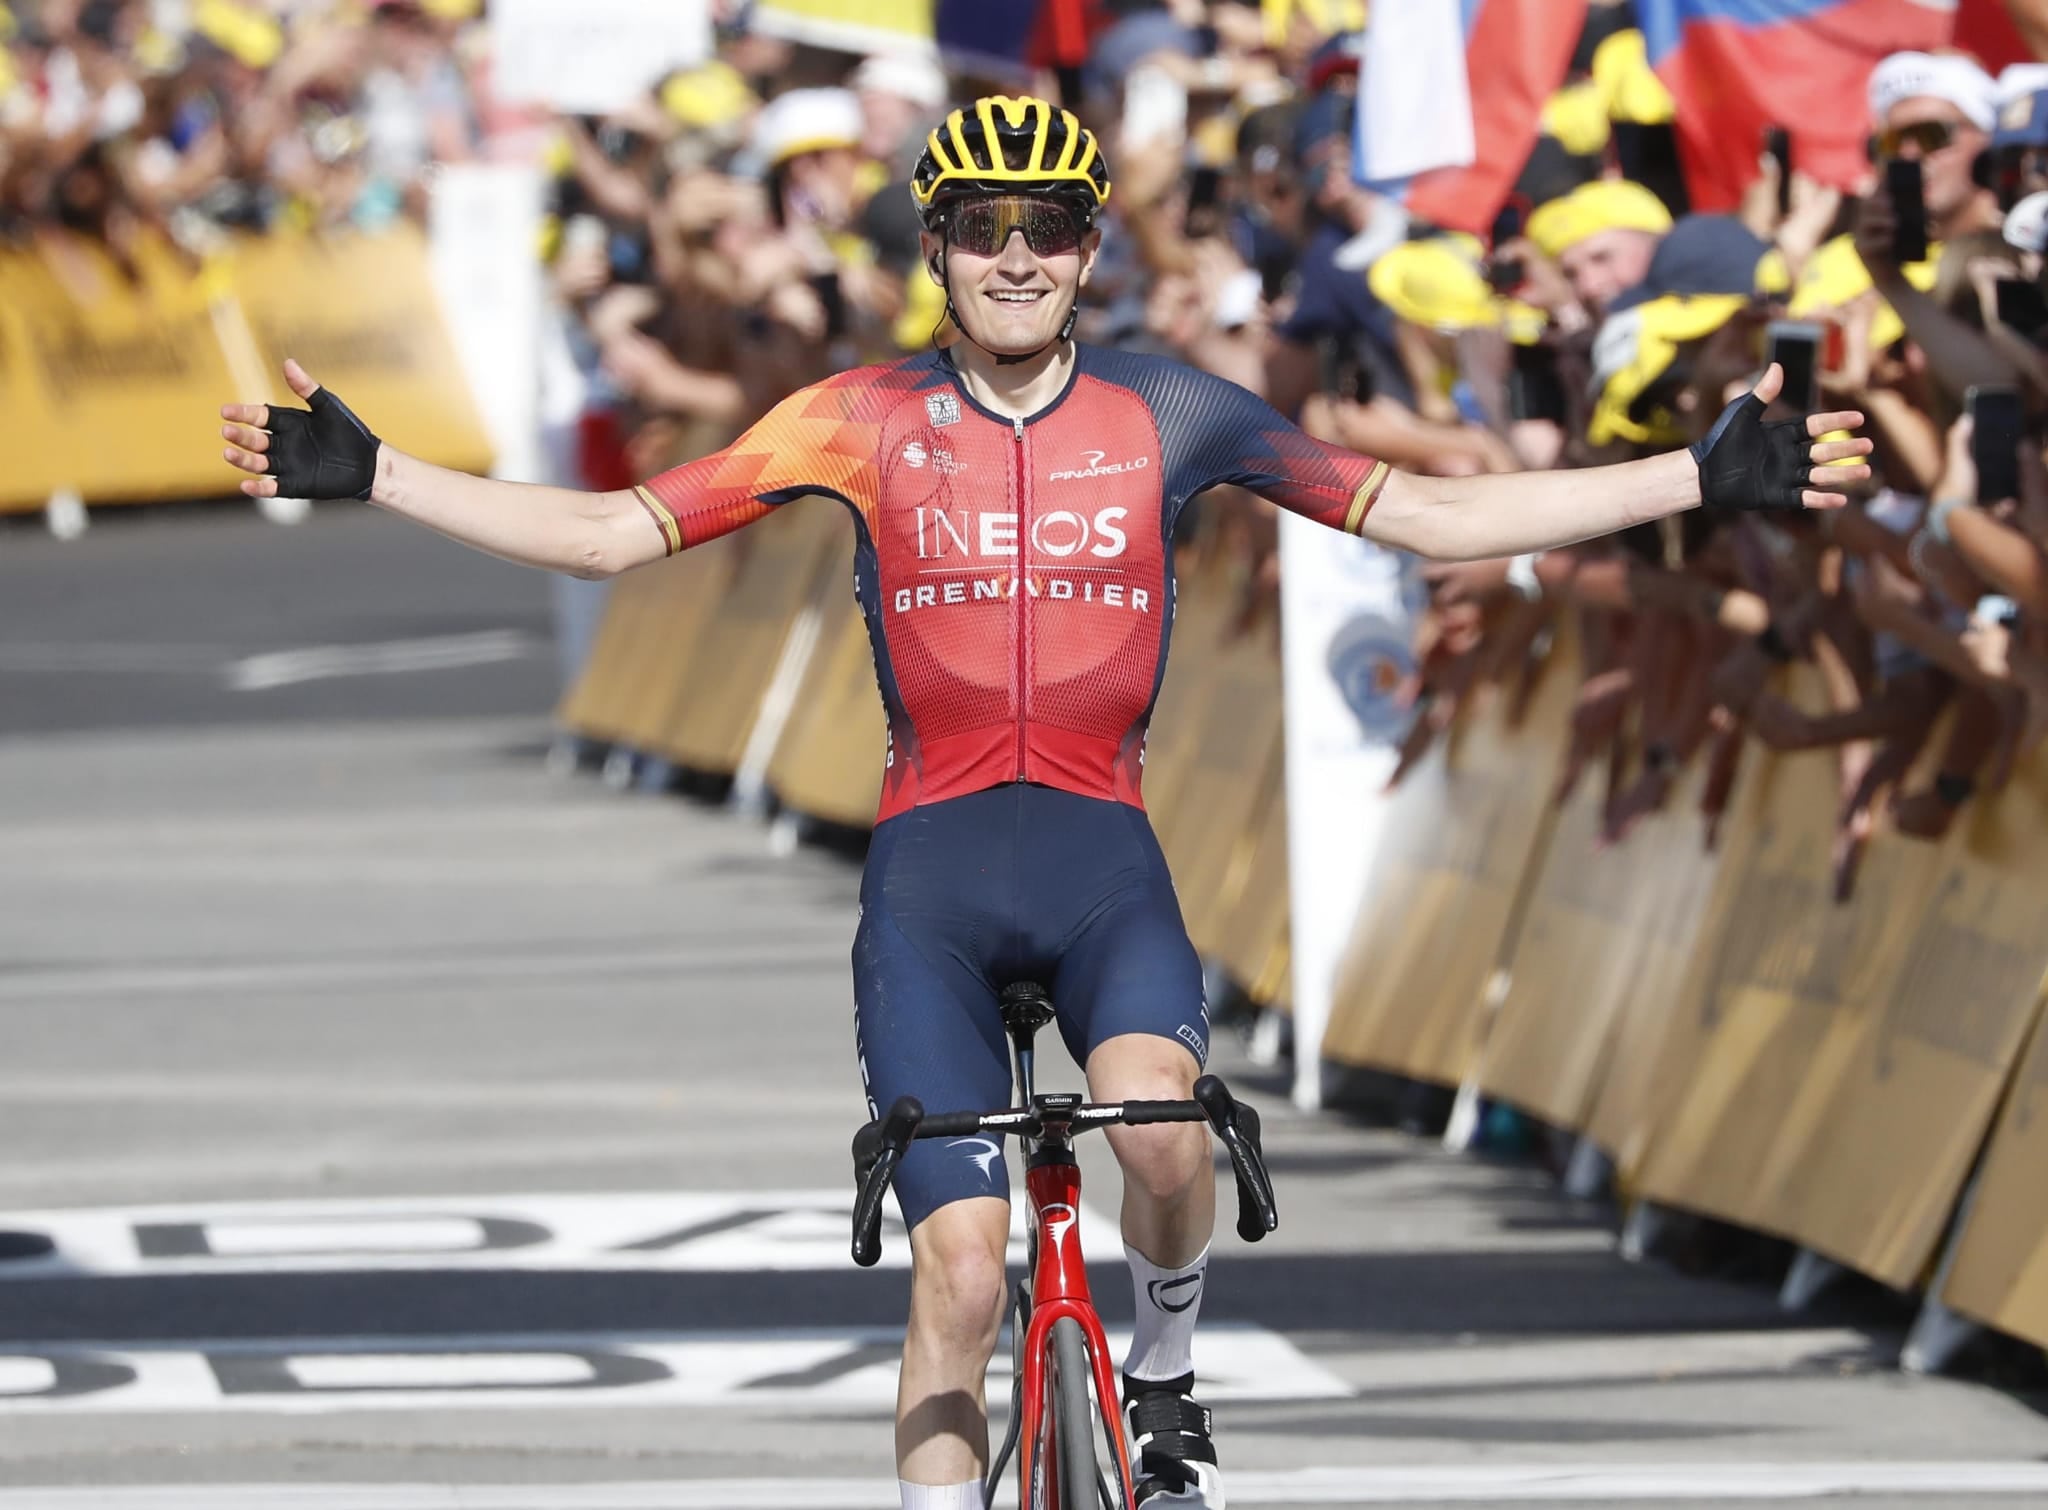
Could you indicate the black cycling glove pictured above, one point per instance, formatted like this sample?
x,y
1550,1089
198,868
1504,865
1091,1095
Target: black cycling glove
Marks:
x,y
322,452
1747,464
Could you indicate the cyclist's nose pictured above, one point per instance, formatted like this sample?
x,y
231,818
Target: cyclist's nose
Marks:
x,y
1017,256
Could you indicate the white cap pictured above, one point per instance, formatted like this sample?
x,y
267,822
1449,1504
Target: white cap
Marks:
x,y
2019,81
1941,76
2026,223
806,120
905,76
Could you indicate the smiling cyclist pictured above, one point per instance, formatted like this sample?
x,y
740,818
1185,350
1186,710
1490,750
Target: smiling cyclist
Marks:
x,y
1014,497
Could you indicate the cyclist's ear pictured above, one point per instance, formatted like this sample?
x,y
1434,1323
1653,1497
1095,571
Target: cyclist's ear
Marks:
x,y
1090,245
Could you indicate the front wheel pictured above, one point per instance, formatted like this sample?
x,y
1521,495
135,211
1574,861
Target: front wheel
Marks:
x,y
1073,1417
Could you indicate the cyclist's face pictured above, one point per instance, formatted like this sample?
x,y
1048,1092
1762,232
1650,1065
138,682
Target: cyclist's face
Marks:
x,y
1013,301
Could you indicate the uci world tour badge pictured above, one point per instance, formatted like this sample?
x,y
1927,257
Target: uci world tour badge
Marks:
x,y
942,408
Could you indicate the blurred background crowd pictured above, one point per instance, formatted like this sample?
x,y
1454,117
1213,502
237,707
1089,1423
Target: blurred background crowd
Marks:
x,y
744,228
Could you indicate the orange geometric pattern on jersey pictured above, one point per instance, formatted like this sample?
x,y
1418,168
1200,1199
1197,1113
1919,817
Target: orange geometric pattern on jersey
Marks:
x,y
1016,578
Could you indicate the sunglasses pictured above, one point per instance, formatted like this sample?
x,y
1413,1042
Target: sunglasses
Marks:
x,y
1928,136
982,227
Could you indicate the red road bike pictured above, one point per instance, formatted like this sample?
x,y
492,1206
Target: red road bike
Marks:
x,y
1063,1394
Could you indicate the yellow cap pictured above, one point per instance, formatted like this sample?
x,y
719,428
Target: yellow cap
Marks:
x,y
453,10
1835,275
708,96
1438,283
1634,349
1608,204
249,36
1577,116
1628,85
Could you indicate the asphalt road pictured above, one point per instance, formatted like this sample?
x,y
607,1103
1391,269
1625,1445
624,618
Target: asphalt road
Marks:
x,y
390,1124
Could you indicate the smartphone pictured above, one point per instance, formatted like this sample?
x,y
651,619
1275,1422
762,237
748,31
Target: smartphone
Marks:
x,y
1795,346
1778,145
1535,391
1204,188
1155,107
1505,273
2022,306
1909,207
1834,346
1995,441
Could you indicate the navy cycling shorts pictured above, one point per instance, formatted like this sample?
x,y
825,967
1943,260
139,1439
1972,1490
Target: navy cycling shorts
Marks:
x,y
963,897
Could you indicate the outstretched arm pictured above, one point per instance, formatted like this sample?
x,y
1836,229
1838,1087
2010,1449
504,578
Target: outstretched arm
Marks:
x,y
1473,518
329,453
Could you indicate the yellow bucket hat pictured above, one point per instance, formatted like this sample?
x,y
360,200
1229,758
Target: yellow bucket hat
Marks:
x,y
1634,349
1835,275
1438,283
1608,204
708,96
250,36
1633,92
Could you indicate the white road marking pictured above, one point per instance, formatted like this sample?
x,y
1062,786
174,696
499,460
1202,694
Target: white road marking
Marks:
x,y
789,1373
732,1231
1512,1483
285,668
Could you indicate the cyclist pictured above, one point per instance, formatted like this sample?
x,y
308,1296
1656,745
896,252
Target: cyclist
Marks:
x,y
1014,497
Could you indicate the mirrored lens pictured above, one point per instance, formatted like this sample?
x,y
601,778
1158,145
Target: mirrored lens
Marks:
x,y
983,227
1927,136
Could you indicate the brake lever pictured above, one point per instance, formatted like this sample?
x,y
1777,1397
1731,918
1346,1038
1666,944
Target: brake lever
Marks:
x,y
1237,1125
877,1149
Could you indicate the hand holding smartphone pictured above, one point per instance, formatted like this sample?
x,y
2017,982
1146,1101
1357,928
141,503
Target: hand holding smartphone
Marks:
x,y
1995,441
1903,185
1795,345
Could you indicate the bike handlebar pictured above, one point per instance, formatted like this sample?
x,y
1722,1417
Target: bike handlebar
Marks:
x,y
879,1147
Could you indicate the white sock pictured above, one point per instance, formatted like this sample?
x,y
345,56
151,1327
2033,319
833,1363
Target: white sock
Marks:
x,y
1167,1302
965,1496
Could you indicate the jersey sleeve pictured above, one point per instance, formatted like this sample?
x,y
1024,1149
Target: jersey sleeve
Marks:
x,y
820,439
1246,441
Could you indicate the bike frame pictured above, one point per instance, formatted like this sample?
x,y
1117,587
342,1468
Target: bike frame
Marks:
x,y
1059,1288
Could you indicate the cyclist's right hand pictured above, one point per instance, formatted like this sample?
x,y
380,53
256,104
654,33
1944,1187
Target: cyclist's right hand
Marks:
x,y
322,451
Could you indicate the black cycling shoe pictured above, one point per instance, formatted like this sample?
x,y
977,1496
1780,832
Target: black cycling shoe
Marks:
x,y
1175,1459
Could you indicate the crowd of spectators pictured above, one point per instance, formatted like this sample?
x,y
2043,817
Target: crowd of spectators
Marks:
x,y
745,228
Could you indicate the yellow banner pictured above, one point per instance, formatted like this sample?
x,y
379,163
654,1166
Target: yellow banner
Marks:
x,y
850,25
2001,1270
110,379
1850,1057
1461,833
359,313
1251,933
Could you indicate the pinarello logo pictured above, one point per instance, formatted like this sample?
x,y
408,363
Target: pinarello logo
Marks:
x,y
1097,467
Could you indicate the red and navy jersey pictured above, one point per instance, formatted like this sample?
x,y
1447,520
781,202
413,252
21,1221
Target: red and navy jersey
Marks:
x,y
1016,575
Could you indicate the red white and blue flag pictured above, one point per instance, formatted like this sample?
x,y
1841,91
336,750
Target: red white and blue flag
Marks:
x,y
1451,99
1017,38
1737,67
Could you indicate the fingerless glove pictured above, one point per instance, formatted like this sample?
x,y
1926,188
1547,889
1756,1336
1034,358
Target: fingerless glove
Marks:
x,y
1746,464
322,452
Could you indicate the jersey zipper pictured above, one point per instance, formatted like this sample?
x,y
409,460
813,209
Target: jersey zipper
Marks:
x,y
1023,596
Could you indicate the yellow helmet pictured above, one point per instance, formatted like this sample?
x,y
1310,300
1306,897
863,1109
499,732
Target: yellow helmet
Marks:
x,y
971,152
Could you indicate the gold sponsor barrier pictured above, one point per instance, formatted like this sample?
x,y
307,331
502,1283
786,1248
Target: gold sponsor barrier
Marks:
x,y
1220,799
109,385
1461,836
1597,963
1251,936
779,570
644,645
2000,1275
111,378
828,763
1842,1063
360,314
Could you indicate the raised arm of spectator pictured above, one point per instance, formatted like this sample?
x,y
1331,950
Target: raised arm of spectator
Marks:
x,y
1961,356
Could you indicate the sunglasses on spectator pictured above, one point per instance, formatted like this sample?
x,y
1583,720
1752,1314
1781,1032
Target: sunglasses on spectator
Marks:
x,y
1928,136
982,227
